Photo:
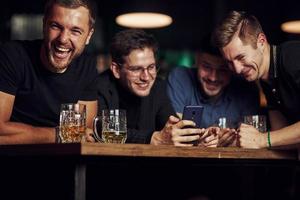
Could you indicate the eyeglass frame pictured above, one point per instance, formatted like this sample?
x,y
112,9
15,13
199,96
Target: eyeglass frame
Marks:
x,y
141,70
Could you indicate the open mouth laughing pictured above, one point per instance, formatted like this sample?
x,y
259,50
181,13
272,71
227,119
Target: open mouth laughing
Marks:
x,y
61,52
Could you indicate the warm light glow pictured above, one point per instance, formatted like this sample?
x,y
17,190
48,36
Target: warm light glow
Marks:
x,y
291,26
144,20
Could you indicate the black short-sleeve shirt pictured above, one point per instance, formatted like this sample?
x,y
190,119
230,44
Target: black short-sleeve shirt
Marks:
x,y
39,92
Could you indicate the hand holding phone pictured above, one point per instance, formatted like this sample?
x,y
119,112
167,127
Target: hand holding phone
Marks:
x,y
193,113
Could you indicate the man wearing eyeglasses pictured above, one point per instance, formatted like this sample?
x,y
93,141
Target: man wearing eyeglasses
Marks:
x,y
131,84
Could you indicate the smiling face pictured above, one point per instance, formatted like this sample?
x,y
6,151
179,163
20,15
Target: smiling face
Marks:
x,y
244,59
213,74
138,72
66,32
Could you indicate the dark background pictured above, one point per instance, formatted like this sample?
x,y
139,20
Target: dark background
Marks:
x,y
192,19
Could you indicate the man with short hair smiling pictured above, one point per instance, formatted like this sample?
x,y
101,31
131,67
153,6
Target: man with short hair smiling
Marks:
x,y
244,45
131,83
212,86
38,76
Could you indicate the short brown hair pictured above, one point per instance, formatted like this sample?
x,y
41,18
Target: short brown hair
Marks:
x,y
72,4
124,42
246,26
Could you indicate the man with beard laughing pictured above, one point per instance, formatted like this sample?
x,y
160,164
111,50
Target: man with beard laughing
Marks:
x,y
38,76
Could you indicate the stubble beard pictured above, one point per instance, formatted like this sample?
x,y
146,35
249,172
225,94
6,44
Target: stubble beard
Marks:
x,y
58,66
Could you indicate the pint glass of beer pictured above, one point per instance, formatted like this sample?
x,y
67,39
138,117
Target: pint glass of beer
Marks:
x,y
113,126
258,121
72,123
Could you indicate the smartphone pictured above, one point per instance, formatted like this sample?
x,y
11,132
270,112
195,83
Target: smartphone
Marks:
x,y
193,113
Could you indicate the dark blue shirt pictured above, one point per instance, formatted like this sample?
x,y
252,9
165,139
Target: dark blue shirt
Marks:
x,y
239,98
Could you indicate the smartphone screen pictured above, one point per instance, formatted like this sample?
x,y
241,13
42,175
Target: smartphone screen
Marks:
x,y
193,113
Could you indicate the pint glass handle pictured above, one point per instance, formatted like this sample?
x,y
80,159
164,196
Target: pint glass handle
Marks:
x,y
95,131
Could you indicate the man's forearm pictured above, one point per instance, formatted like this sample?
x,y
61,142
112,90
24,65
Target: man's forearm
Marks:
x,y
277,120
286,136
19,133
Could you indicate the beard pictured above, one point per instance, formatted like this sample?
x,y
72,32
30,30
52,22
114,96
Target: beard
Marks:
x,y
59,59
58,64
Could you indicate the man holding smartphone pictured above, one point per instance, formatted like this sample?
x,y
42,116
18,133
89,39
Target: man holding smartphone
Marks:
x,y
131,84
212,86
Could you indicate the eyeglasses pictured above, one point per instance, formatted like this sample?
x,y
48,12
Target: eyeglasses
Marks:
x,y
137,71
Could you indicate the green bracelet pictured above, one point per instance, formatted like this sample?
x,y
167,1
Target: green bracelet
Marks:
x,y
269,139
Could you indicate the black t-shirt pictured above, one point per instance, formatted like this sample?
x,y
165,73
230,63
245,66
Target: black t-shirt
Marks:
x,y
283,86
38,92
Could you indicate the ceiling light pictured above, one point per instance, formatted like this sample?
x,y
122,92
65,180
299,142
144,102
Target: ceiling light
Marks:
x,y
144,20
291,26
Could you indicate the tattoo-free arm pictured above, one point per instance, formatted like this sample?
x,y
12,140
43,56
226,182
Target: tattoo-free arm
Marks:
x,y
288,135
20,133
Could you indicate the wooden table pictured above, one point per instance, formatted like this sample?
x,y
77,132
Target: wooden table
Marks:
x,y
144,150
86,153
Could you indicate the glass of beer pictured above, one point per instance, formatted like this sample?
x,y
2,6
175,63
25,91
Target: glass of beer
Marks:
x,y
258,121
114,126
224,122
72,123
